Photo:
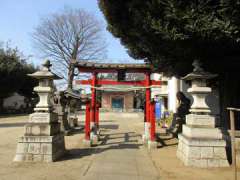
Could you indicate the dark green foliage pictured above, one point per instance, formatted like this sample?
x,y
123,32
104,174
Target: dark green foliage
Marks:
x,y
170,34
13,74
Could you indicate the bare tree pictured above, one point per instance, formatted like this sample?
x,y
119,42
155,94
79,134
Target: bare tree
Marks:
x,y
68,37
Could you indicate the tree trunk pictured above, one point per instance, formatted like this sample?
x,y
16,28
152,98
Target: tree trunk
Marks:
x,y
70,76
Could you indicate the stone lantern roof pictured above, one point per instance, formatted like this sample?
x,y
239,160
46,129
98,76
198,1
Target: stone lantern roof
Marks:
x,y
45,72
198,73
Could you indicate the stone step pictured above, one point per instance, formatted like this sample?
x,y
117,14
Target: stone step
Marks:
x,y
200,120
197,132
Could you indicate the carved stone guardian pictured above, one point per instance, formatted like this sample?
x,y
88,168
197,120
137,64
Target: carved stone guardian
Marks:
x,y
60,103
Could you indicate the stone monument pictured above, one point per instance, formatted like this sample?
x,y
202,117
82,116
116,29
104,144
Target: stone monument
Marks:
x,y
60,103
42,140
201,144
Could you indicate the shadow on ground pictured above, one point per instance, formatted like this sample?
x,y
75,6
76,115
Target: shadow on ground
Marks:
x,y
109,126
79,153
12,115
76,130
10,125
166,140
104,145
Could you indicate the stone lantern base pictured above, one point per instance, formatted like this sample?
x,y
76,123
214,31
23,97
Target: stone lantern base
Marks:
x,y
42,140
201,144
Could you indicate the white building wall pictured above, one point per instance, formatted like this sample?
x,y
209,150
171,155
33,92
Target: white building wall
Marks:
x,y
155,91
173,88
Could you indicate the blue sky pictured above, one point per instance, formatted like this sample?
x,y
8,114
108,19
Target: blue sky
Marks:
x,y
19,17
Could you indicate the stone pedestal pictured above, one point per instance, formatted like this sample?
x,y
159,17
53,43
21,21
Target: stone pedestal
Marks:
x,y
94,137
42,140
87,143
201,144
152,145
146,135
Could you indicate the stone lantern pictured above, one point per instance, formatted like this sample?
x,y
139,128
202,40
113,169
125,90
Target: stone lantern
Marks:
x,y
201,144
42,140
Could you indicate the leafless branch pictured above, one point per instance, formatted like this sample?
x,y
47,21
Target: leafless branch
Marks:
x,y
72,35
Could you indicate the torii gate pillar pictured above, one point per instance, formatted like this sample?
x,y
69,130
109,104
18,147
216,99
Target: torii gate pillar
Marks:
x,y
146,134
152,143
149,120
93,124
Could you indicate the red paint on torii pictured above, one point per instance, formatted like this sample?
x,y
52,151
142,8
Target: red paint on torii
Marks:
x,y
112,82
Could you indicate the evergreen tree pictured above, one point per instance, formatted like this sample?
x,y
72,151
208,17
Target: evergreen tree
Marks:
x,y
170,34
13,75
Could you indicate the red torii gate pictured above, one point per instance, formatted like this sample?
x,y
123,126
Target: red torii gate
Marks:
x,y
92,108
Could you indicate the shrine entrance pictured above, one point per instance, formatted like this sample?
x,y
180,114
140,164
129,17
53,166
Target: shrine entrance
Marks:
x,y
92,106
117,103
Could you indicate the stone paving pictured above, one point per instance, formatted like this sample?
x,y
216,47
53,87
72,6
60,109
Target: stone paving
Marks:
x,y
120,153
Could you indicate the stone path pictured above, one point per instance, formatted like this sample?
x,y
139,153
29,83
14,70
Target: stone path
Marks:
x,y
120,154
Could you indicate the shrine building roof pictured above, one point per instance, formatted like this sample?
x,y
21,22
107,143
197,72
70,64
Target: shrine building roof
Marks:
x,y
115,66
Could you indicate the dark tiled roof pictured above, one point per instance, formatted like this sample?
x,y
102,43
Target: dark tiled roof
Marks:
x,y
112,65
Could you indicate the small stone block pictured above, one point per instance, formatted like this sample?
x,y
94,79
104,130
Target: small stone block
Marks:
x,y
46,148
39,117
206,152
94,139
87,143
180,146
200,120
213,163
22,148
202,163
34,148
19,158
37,157
223,163
152,145
197,132
28,157
193,152
219,152
42,129
47,158
144,139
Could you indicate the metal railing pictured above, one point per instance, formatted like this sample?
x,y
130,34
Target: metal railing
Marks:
x,y
233,134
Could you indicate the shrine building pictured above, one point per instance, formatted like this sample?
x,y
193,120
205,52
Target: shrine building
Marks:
x,y
117,100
